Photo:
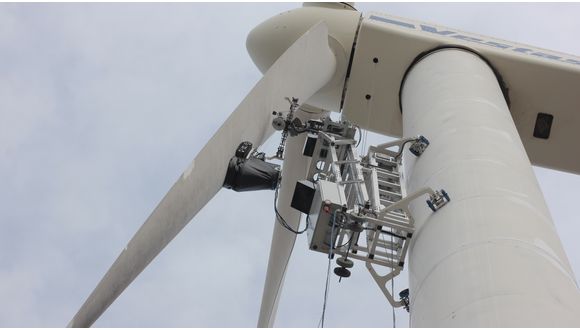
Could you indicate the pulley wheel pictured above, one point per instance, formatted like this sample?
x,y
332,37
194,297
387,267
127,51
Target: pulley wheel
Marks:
x,y
343,262
342,272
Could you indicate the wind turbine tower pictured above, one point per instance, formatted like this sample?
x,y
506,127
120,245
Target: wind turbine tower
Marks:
x,y
455,194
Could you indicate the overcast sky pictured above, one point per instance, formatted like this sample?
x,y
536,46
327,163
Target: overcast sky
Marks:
x,y
102,106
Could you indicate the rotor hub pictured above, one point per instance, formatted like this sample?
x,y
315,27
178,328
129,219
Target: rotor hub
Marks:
x,y
269,40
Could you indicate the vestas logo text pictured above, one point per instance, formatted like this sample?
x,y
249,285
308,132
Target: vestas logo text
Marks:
x,y
456,35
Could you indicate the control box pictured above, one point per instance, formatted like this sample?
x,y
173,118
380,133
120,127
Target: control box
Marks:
x,y
328,200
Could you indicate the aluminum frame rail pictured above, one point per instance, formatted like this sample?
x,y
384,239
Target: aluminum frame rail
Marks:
x,y
375,197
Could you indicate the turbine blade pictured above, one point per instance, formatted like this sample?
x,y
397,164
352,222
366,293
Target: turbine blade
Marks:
x,y
295,167
300,72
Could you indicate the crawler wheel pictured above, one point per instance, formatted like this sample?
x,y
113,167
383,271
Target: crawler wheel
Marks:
x,y
444,193
431,206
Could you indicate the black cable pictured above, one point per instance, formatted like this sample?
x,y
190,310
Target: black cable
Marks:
x,y
283,222
403,148
386,232
359,136
347,250
347,243
299,129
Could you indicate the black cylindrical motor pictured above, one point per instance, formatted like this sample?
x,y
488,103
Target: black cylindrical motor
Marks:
x,y
251,174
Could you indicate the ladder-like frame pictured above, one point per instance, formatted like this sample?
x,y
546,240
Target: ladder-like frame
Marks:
x,y
376,198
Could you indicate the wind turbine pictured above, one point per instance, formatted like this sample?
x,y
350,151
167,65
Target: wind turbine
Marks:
x,y
328,61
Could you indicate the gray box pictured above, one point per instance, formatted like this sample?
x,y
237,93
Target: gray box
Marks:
x,y
328,198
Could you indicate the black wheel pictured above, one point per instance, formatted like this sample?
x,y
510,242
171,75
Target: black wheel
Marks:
x,y
343,262
404,294
342,272
415,152
244,149
431,206
444,193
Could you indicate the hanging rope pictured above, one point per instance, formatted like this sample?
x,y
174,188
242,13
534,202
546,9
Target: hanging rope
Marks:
x,y
321,322
393,291
392,286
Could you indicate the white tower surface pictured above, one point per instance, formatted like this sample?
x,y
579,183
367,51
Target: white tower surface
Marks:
x,y
491,257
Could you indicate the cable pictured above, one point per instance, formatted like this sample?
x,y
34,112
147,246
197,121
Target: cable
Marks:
x,y
359,135
321,323
299,129
393,293
347,250
282,279
385,232
347,243
403,148
283,222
